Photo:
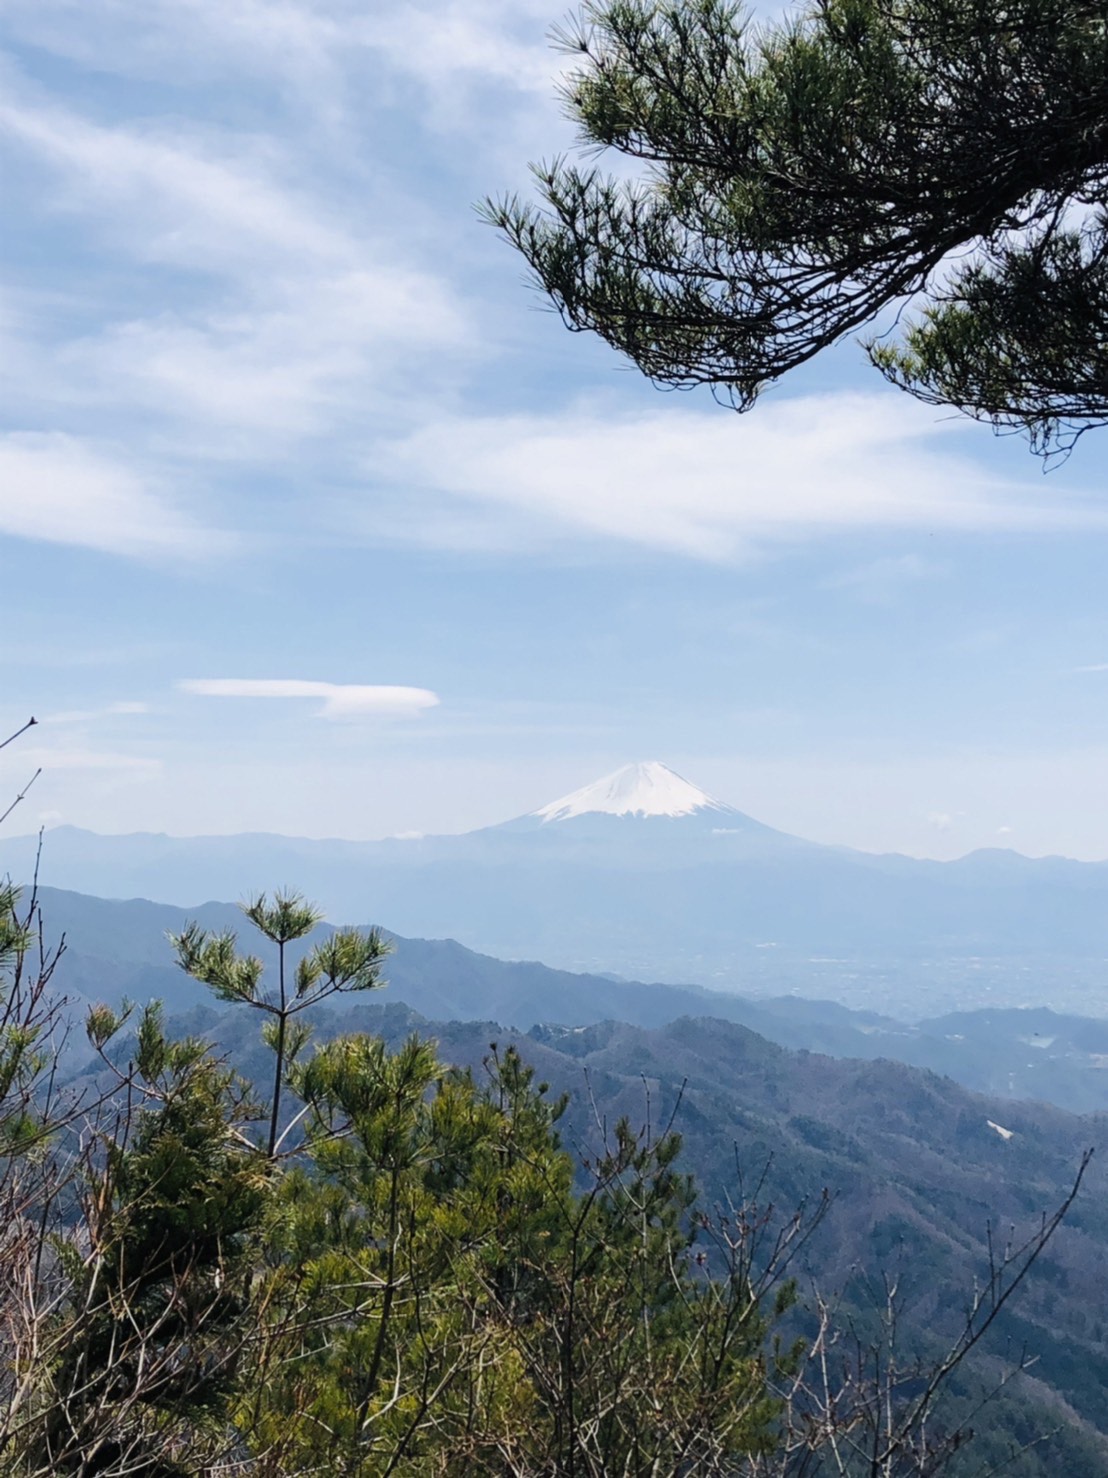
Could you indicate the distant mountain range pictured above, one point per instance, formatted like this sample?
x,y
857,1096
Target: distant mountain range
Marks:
x,y
645,875
118,949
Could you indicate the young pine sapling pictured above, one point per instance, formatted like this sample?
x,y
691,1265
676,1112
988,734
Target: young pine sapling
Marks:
x,y
348,960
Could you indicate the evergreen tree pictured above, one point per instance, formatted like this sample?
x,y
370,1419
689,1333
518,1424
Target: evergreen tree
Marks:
x,y
347,960
149,1321
802,178
444,1301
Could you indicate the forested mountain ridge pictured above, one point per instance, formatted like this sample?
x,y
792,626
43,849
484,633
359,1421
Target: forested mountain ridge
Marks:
x,y
118,948
920,1172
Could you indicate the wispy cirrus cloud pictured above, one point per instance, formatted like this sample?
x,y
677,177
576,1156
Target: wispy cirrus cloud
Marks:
x,y
305,360
307,44
712,486
63,490
339,700
289,312
75,757
439,41
881,581
123,709
209,203
190,41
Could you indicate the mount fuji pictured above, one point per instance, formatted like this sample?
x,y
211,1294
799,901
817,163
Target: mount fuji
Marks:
x,y
646,789
644,874
643,813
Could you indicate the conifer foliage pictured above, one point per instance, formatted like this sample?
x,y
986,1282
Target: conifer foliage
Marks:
x,y
798,180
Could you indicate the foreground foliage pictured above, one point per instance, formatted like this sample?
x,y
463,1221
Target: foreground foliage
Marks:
x,y
800,179
410,1276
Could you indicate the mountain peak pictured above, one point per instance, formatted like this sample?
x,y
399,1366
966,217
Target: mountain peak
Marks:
x,y
648,788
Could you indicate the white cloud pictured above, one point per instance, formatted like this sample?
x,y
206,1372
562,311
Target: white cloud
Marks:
x,y
711,485
313,44
315,350
477,71
87,715
292,308
340,700
76,758
192,203
499,40
63,490
881,580
173,31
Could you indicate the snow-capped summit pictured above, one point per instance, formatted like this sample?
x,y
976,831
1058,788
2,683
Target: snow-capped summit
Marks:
x,y
648,788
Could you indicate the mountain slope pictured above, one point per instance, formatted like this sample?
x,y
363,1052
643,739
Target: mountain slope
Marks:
x,y
917,1168
119,949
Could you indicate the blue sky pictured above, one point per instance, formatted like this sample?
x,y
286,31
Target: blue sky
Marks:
x,y
277,410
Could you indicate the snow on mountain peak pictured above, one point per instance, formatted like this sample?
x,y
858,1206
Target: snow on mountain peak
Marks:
x,y
648,788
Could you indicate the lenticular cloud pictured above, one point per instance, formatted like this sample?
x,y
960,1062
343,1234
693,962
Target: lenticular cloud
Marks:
x,y
340,700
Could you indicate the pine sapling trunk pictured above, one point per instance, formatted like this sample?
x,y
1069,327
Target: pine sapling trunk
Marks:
x,y
282,1021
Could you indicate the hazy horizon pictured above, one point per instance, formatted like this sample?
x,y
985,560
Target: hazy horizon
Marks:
x,y
1000,844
